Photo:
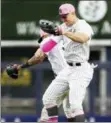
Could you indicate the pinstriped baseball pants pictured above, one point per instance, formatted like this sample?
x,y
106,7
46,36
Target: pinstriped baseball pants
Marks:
x,y
75,79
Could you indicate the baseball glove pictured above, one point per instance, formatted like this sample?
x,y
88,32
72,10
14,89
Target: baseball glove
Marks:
x,y
48,26
12,71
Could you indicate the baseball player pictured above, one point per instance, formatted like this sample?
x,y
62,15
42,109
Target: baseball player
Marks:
x,y
58,62
76,35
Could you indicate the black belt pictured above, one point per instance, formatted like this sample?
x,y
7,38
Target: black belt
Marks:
x,y
74,64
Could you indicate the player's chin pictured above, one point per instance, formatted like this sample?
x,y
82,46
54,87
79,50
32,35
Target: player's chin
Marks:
x,y
67,23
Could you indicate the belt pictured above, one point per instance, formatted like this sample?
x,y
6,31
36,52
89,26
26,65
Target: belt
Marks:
x,y
74,64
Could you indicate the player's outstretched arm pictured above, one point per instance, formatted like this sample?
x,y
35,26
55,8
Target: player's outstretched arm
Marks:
x,y
38,57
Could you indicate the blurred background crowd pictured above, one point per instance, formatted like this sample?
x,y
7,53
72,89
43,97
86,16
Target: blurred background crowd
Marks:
x,y
21,98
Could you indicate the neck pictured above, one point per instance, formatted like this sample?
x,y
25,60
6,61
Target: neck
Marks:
x,y
75,20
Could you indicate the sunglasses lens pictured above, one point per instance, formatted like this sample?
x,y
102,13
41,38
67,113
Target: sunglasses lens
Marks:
x,y
64,16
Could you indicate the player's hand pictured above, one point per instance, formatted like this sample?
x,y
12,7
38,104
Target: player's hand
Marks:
x,y
58,31
12,70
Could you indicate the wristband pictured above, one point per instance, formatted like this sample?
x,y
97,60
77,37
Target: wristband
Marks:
x,y
25,65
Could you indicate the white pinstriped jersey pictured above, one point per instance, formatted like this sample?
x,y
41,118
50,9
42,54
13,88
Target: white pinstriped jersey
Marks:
x,y
74,51
56,57
57,60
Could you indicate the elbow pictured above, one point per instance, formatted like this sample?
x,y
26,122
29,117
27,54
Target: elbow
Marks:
x,y
84,39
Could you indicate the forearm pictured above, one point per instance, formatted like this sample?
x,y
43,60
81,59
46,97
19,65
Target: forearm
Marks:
x,y
77,37
34,60
37,58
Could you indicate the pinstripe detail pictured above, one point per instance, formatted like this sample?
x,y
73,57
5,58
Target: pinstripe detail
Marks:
x,y
76,53
57,59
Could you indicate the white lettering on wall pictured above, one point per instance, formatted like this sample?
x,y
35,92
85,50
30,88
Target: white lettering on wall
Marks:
x,y
106,28
24,28
21,28
30,28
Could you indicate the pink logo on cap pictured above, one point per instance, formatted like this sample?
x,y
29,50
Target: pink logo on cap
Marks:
x,y
66,8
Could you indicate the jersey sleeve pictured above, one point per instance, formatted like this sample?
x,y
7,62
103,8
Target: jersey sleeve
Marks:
x,y
84,27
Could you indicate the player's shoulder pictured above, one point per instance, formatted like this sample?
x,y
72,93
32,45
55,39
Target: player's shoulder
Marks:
x,y
83,23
